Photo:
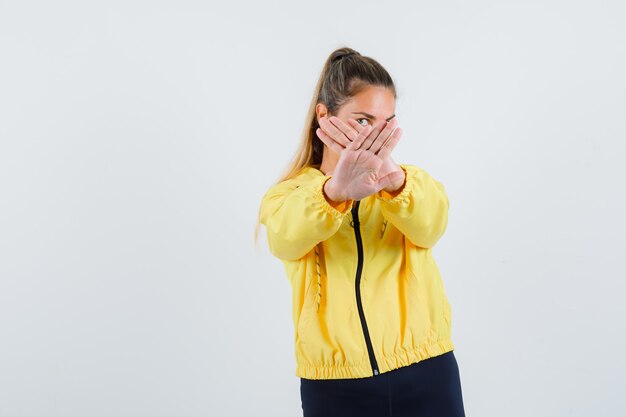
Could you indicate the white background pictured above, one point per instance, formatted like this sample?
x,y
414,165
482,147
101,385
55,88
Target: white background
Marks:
x,y
138,137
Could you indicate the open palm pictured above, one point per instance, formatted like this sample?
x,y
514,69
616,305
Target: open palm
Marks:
x,y
358,171
361,169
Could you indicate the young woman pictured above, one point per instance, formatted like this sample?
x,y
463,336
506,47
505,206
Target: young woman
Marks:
x,y
355,230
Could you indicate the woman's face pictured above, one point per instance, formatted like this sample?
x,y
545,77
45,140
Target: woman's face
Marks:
x,y
369,106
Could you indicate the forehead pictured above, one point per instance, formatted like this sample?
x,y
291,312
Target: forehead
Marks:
x,y
375,100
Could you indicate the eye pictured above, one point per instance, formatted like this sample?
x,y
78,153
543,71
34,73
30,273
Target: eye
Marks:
x,y
362,118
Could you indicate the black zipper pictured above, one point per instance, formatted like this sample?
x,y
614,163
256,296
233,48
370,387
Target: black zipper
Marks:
x,y
359,269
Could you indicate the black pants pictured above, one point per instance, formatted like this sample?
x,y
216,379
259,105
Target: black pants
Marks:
x,y
428,388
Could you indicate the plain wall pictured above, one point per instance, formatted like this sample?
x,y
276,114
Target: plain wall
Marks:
x,y
138,137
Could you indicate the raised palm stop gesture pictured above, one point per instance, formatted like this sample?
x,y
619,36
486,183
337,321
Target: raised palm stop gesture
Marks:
x,y
364,166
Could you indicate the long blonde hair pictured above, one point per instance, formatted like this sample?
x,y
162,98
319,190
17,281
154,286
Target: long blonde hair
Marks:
x,y
345,73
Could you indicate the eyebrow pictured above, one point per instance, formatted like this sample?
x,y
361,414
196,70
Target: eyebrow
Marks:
x,y
370,116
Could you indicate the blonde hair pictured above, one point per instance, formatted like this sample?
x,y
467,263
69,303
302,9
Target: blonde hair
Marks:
x,y
344,74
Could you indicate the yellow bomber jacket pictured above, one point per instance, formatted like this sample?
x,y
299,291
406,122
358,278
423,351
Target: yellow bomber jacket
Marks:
x,y
367,294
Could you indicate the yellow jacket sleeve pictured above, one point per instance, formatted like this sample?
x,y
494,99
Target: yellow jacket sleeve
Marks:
x,y
297,216
420,209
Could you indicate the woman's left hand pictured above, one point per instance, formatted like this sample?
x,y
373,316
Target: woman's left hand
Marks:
x,y
353,130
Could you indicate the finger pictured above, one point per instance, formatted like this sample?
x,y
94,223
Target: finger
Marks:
x,y
356,126
356,144
330,142
348,131
332,131
363,132
384,136
377,128
391,143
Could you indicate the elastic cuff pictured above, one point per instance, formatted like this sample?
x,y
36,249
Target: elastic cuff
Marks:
x,y
340,209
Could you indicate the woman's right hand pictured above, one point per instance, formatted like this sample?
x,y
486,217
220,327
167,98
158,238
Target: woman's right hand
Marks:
x,y
356,174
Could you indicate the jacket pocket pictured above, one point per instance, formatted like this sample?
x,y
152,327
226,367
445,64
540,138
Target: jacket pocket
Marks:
x,y
424,307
